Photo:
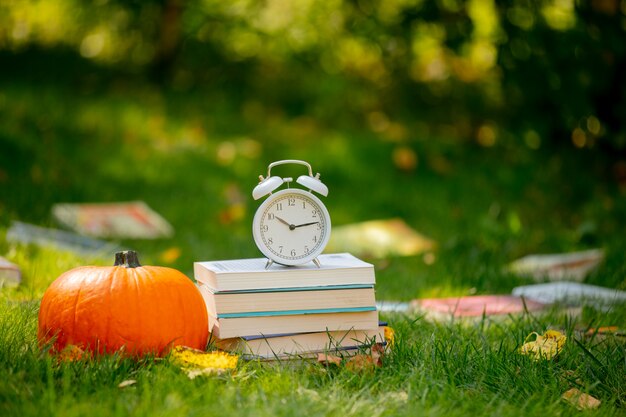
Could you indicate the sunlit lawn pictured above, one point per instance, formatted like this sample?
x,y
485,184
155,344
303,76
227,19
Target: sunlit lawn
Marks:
x,y
195,158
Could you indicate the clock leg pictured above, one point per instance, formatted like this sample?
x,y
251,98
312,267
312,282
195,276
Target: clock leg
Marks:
x,y
317,263
269,263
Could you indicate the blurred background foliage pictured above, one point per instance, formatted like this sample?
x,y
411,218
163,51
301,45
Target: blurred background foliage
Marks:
x,y
482,70
494,127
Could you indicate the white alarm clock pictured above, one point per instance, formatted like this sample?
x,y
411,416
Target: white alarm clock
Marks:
x,y
292,226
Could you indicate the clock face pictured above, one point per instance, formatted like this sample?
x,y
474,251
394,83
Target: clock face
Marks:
x,y
291,227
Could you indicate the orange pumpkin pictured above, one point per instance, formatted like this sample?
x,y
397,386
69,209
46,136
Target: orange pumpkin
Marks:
x,y
141,309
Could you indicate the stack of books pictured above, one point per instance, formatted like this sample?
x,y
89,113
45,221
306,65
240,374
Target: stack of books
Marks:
x,y
299,311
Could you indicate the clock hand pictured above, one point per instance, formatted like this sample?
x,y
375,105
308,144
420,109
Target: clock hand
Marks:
x,y
291,226
305,224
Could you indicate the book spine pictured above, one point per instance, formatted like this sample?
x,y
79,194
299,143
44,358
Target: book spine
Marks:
x,y
250,326
288,289
249,302
294,312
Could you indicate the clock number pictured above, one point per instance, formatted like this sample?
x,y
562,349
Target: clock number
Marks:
x,y
270,216
280,249
306,250
314,238
318,226
291,202
279,206
304,204
264,228
314,212
293,252
270,241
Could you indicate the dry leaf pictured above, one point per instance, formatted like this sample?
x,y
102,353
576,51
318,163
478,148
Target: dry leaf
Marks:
x,y
358,362
127,383
600,334
545,346
361,362
404,158
232,213
170,255
367,362
326,359
602,330
377,352
71,353
581,400
195,362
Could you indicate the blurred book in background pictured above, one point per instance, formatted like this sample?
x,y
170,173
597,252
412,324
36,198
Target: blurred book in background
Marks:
x,y
558,267
573,293
387,306
10,274
127,220
475,306
61,239
379,239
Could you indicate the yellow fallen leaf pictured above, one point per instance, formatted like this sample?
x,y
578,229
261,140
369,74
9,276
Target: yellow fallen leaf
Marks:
x,y
544,346
195,362
581,400
390,335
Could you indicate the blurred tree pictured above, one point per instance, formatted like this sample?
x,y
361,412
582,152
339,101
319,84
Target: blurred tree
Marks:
x,y
546,72
169,37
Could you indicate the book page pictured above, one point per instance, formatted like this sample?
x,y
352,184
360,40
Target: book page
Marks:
x,y
327,261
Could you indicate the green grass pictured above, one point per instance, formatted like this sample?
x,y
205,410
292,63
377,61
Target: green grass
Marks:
x,y
191,156
434,369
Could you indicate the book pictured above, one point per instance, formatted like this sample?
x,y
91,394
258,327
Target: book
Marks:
x,y
250,274
295,321
570,293
307,298
379,239
10,274
60,239
282,346
385,306
132,220
558,267
476,306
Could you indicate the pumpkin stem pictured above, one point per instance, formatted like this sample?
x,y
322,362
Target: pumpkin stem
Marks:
x,y
127,259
